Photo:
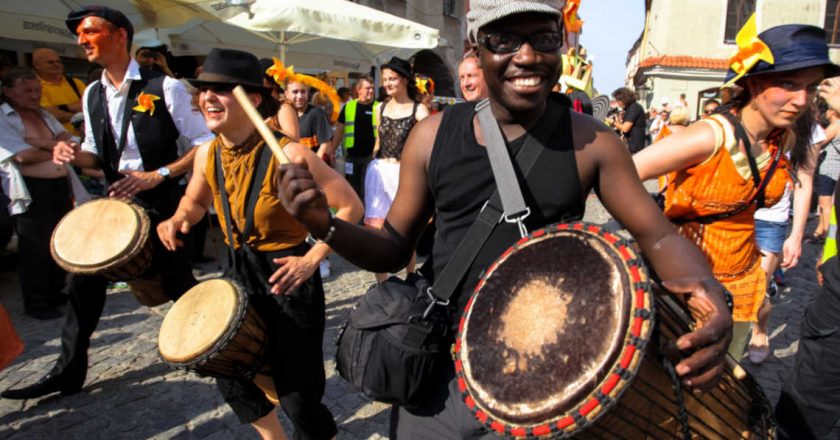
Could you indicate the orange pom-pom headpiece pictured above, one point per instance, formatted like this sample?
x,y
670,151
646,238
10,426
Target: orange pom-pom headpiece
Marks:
x,y
283,75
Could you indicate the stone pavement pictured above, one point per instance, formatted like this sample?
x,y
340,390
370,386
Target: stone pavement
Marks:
x,y
131,394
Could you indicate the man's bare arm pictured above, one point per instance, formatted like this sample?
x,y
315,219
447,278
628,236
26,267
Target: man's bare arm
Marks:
x,y
385,249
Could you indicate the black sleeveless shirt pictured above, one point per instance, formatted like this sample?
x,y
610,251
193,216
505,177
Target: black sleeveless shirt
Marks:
x,y
461,180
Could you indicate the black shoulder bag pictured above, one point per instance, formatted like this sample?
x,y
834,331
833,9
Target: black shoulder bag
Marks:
x,y
396,340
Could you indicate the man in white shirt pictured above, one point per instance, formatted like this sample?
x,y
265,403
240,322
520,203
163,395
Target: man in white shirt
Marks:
x,y
133,119
39,188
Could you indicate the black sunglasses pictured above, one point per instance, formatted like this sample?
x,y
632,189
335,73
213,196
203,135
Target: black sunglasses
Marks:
x,y
216,88
504,43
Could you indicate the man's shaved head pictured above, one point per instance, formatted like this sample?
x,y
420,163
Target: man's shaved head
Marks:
x,y
47,63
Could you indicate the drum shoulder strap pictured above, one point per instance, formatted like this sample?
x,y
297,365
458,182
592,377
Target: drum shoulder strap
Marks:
x,y
257,179
491,214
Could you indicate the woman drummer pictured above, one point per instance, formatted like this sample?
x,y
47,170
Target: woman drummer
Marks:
x,y
278,268
715,173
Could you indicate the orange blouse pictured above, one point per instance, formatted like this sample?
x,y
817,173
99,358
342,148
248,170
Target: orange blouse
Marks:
x,y
721,184
274,228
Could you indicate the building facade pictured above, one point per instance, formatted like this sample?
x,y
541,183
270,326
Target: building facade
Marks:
x,y
686,44
448,17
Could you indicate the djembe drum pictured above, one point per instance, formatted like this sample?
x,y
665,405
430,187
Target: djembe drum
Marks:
x,y
109,237
213,331
562,337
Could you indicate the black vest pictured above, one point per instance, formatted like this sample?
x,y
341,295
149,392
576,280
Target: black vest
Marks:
x,y
461,180
156,134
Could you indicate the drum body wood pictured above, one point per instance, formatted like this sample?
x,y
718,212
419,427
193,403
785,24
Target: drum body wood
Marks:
x,y
108,237
562,337
213,331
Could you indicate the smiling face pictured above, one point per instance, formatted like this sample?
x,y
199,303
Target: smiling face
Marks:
x,y
222,113
782,97
471,80
297,94
102,42
24,94
393,82
520,81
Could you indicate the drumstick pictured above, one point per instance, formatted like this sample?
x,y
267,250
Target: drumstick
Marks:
x,y
241,96
737,370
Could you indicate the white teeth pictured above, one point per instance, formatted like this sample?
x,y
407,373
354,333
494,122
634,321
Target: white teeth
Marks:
x,y
527,82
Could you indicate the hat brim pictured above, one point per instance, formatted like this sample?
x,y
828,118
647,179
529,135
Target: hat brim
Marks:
x,y
404,73
831,69
247,86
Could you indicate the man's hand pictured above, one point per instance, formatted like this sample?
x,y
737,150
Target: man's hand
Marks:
x,y
168,232
292,273
830,91
302,197
133,183
65,152
708,344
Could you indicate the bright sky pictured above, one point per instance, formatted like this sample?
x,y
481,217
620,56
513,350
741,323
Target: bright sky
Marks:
x,y
610,28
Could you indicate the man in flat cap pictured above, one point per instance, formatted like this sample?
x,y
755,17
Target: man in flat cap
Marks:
x,y
133,141
445,171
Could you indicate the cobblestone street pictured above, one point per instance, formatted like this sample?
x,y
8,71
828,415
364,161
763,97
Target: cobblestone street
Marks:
x,y
131,394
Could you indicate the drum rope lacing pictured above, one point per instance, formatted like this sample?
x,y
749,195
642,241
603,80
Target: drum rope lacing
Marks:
x,y
682,415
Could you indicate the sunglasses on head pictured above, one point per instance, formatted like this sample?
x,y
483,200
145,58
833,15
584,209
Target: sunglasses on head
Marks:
x,y
504,43
216,88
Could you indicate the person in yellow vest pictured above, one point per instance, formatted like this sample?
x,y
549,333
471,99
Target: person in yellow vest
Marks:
x,y
61,95
355,130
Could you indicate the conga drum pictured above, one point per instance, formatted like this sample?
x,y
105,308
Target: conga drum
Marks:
x,y
109,237
562,337
213,331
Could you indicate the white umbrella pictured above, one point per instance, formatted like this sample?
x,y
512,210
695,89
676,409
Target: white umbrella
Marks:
x,y
43,20
192,27
325,34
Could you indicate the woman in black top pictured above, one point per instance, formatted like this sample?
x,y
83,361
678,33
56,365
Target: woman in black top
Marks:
x,y
396,119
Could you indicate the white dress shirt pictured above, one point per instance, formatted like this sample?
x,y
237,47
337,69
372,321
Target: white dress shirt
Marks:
x,y
190,123
12,134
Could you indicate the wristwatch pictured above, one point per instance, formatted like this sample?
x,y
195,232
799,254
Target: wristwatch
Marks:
x,y
163,172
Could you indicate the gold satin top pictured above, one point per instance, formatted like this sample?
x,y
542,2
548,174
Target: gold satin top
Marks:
x,y
274,228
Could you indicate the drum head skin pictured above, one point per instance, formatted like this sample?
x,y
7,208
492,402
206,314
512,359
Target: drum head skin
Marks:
x,y
550,331
96,233
200,319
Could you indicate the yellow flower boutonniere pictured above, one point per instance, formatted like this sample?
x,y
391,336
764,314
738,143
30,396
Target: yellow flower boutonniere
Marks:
x,y
146,103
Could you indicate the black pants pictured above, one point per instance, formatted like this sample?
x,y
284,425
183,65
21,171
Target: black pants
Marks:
x,y
295,334
443,417
357,177
41,280
87,293
809,406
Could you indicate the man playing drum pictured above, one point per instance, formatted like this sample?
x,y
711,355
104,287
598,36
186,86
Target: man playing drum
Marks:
x,y
140,163
271,255
446,171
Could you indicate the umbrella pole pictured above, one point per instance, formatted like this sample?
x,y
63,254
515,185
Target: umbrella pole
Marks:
x,y
283,47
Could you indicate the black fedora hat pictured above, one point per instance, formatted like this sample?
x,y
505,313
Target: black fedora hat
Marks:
x,y
794,47
400,66
231,67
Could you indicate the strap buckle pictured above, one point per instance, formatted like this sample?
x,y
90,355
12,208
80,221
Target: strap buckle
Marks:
x,y
435,301
519,218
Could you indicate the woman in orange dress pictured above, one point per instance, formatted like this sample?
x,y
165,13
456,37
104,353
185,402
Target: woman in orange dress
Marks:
x,y
714,189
